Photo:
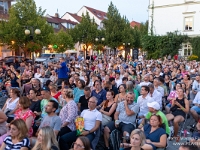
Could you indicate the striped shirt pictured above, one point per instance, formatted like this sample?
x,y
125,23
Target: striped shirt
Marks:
x,y
17,146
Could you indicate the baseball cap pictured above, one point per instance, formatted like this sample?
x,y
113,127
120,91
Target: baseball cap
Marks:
x,y
154,105
45,88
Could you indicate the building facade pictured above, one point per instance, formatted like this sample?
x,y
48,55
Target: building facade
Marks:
x,y
175,15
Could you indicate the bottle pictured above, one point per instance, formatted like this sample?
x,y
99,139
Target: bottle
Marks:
x,y
185,133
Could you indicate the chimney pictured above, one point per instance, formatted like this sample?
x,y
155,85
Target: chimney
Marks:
x,y
56,15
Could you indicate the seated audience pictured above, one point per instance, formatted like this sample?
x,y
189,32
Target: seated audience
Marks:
x,y
68,114
51,119
83,101
137,140
92,120
155,135
46,139
17,140
154,109
82,143
125,117
180,107
108,108
3,119
10,105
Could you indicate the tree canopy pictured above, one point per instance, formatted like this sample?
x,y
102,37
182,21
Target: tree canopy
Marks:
x,y
24,15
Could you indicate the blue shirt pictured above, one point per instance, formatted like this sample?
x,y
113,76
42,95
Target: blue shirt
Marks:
x,y
62,72
101,96
153,136
77,94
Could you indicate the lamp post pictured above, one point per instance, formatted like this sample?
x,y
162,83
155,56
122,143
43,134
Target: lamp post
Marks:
x,y
31,35
100,39
127,50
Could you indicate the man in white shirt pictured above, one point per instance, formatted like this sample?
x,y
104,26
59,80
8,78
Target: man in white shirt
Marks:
x,y
195,110
142,101
118,80
157,96
157,87
92,120
146,81
195,87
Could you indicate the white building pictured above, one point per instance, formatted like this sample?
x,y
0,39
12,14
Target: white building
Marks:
x,y
175,15
98,15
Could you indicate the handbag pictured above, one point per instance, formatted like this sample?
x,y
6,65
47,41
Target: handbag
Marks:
x,y
105,119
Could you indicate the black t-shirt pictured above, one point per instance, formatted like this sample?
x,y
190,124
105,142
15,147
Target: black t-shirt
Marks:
x,y
72,86
84,102
35,106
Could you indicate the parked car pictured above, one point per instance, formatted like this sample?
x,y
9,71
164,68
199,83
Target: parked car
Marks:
x,y
10,59
45,58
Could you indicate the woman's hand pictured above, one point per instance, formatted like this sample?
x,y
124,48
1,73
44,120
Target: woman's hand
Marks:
x,y
84,133
177,104
148,140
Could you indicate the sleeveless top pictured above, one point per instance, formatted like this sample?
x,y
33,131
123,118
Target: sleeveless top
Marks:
x,y
11,105
178,110
107,109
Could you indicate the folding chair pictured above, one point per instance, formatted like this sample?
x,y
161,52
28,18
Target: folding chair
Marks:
x,y
182,126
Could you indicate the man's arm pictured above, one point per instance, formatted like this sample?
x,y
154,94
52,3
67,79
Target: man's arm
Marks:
x,y
129,112
116,115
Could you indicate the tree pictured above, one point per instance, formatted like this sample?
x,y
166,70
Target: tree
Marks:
x,y
85,32
118,30
63,41
22,15
159,46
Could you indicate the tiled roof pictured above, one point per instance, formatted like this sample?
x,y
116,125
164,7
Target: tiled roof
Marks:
x,y
75,16
59,20
134,23
4,15
98,13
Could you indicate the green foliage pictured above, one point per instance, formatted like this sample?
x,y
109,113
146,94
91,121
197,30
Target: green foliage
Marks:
x,y
85,32
21,15
118,30
195,43
62,40
159,46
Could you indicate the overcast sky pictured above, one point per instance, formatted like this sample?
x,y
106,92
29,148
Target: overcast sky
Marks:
x,y
133,9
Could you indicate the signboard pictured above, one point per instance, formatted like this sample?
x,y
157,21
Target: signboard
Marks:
x,y
135,54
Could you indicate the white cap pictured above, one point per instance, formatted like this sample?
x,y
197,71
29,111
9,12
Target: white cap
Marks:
x,y
154,105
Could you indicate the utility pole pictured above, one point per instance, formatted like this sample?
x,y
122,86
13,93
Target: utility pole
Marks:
x,y
152,17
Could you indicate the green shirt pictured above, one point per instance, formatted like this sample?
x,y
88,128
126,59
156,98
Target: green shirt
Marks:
x,y
164,120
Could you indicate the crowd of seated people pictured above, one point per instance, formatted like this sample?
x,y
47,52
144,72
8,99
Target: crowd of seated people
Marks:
x,y
143,100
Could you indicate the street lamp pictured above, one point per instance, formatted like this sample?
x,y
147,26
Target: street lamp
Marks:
x,y
31,33
127,51
100,40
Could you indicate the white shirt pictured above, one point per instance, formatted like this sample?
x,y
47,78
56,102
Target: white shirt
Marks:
x,y
144,83
142,102
157,96
196,86
90,117
197,99
37,75
161,90
118,82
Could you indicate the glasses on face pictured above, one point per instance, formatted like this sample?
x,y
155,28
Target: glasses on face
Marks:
x,y
78,145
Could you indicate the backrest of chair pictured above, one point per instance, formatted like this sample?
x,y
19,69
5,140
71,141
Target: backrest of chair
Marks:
x,y
96,138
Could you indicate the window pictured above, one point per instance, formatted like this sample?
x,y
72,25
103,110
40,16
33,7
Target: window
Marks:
x,y
188,23
187,49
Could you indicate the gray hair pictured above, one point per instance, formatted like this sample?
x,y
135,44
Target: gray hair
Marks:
x,y
94,98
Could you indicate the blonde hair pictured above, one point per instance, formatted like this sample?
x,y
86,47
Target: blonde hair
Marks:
x,y
141,135
49,139
69,93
